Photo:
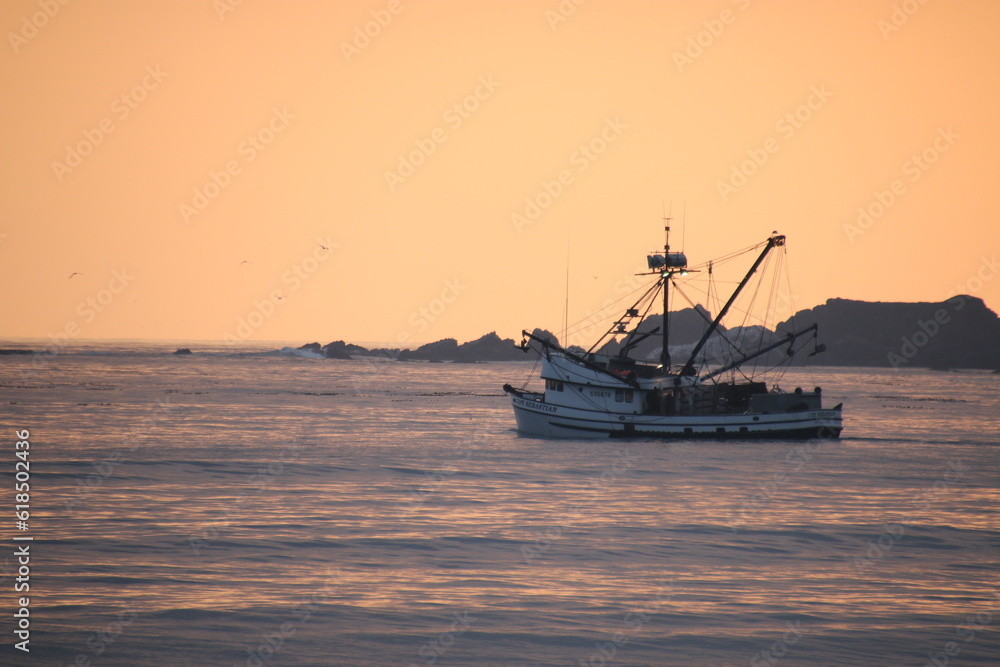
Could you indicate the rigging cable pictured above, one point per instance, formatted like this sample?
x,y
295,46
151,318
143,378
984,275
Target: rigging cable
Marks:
x,y
534,367
598,316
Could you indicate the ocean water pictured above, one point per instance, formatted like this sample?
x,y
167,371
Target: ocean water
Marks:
x,y
272,509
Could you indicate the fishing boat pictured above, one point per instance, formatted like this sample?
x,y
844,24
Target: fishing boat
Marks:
x,y
610,391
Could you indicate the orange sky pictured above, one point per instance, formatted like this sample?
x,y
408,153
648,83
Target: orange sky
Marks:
x,y
191,159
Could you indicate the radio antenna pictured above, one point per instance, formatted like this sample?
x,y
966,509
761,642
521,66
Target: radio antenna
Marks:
x,y
565,331
684,226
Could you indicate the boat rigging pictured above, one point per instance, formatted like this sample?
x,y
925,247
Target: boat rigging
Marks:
x,y
607,391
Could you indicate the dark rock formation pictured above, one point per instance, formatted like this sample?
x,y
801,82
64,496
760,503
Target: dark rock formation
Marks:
x,y
486,348
440,350
958,333
338,349
490,348
687,326
545,335
311,347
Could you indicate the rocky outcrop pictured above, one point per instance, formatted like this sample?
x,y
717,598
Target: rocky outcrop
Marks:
x,y
338,349
486,348
958,333
437,351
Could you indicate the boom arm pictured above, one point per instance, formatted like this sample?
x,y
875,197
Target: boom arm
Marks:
x,y
775,240
788,339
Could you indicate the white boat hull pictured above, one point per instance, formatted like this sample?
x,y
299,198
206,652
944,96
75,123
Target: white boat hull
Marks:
x,y
537,418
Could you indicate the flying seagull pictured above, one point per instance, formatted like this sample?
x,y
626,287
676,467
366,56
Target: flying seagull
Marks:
x,y
75,273
245,261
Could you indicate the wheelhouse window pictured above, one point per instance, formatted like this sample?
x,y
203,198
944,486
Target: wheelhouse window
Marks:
x,y
554,385
623,395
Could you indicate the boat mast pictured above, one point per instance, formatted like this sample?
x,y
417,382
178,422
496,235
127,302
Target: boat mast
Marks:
x,y
666,265
665,277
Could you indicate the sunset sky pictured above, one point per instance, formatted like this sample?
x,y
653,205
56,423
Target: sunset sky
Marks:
x,y
406,170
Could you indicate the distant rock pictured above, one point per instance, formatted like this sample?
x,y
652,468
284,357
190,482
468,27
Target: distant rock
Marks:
x,y
340,350
183,350
441,350
486,348
335,350
545,335
687,326
383,352
490,348
958,333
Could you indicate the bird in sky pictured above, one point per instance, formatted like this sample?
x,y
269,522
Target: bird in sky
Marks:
x,y
245,261
75,273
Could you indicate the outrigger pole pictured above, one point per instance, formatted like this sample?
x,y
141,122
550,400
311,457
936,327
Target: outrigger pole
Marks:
x,y
789,339
774,241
